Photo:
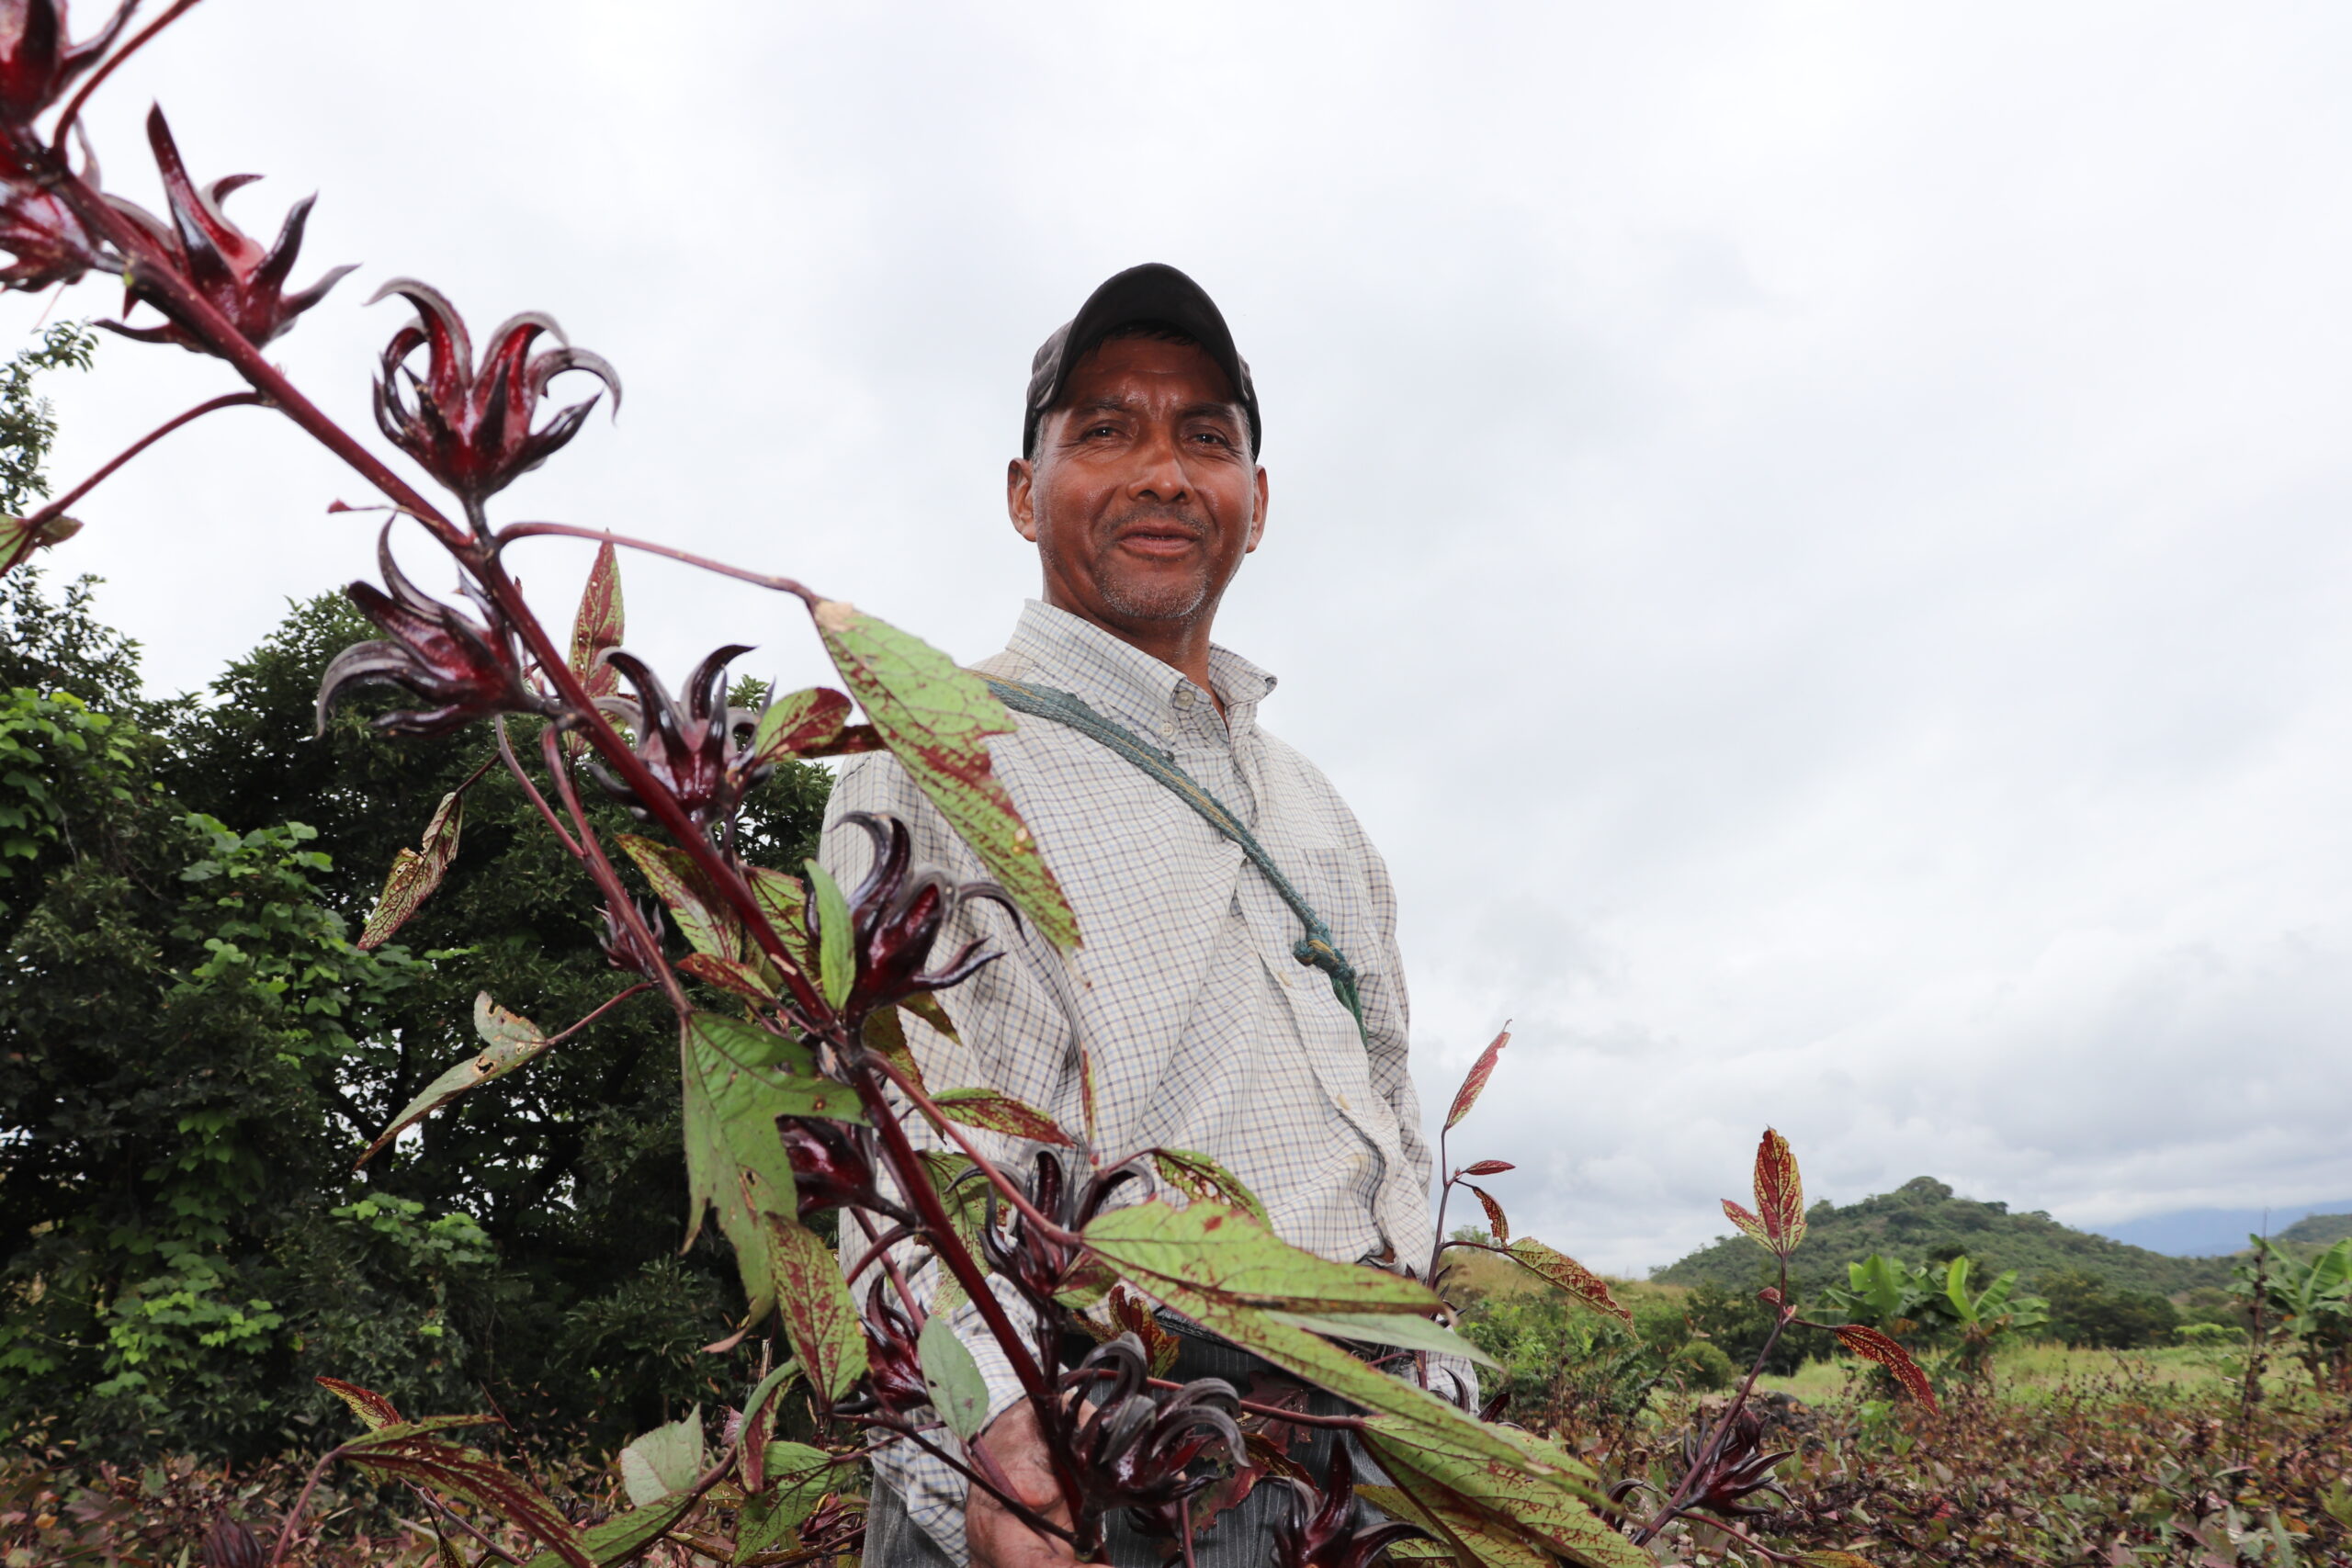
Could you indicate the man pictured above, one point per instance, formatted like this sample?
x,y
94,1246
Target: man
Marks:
x,y
1138,483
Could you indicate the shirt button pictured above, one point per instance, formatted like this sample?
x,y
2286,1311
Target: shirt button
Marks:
x,y
1184,697
1168,732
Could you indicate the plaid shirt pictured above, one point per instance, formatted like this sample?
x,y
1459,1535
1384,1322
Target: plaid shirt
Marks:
x,y
1205,1033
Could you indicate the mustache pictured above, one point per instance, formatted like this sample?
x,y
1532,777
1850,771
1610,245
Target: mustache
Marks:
x,y
1184,518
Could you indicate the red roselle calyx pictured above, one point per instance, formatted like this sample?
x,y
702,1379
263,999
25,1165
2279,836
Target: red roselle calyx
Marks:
x,y
468,670
470,426
47,238
688,748
896,915
226,266
622,947
830,1166
893,1360
37,62
1148,1455
1321,1531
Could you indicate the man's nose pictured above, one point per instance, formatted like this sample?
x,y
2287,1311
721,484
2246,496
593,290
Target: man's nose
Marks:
x,y
1159,467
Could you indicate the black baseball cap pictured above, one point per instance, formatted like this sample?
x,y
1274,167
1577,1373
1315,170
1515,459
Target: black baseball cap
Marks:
x,y
1154,294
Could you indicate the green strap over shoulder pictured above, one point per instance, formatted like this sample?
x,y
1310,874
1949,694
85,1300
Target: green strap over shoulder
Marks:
x,y
1316,948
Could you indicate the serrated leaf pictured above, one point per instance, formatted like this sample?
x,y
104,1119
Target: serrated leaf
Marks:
x,y
1474,1497
1307,1355
1475,1084
926,1007
995,1112
597,625
887,1038
1749,1225
813,1301
785,902
836,955
803,1476
1197,1176
736,1162
622,1538
512,1042
475,1477
374,1410
1497,1223
958,1393
799,723
1779,1193
1581,1283
415,873
1489,1168
964,1197
1209,1249
1399,1329
935,718
703,917
1872,1346
663,1461
751,982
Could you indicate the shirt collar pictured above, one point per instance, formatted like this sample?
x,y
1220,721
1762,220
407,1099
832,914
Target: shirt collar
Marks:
x,y
1126,683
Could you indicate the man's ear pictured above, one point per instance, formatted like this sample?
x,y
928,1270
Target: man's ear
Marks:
x,y
1020,498
1258,524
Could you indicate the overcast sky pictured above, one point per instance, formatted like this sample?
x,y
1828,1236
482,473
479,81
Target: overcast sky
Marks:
x,y
1813,536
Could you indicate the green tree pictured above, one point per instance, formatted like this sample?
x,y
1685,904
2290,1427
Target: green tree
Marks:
x,y
2086,1310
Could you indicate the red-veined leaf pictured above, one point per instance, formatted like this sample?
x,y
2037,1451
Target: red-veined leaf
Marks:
x,y
1872,1346
1494,1220
597,626
936,720
20,539
749,981
1400,1330
926,1007
1780,1192
703,917
474,1476
663,1461
1197,1176
1748,1222
799,723
417,873
857,737
1472,1087
512,1042
785,902
813,1300
622,1538
887,1038
985,1108
1490,1507
802,1477
1489,1168
372,1408
1571,1276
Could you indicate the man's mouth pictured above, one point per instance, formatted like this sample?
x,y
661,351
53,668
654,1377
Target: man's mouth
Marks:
x,y
1164,539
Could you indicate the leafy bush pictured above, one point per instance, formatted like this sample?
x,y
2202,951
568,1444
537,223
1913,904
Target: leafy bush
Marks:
x,y
2087,1311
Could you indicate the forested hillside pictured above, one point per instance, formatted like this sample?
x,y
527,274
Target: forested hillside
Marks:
x,y
2317,1230
1923,1221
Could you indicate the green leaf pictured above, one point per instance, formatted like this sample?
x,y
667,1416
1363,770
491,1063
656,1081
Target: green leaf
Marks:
x,y
1401,1330
1304,1355
957,1390
374,1410
397,1454
1470,1495
887,1038
663,1461
735,1160
622,1538
513,1041
799,722
703,917
813,1300
836,960
1197,1176
936,718
985,1108
1473,1547
759,1420
415,873
803,1475
1210,1249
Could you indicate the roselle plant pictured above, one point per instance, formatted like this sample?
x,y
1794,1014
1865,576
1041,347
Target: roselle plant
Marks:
x,y
796,1081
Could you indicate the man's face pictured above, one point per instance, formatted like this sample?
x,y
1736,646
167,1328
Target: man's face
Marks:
x,y
1144,495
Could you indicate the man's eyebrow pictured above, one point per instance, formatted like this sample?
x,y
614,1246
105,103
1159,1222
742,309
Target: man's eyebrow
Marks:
x,y
1212,408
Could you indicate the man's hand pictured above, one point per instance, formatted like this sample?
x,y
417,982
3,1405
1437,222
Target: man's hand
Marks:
x,y
997,1536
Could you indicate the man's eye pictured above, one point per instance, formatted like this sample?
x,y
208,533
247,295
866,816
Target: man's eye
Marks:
x,y
1102,430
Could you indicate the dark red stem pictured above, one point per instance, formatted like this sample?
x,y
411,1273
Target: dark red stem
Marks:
x,y
514,531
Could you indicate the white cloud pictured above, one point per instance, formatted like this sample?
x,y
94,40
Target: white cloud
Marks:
x,y
1812,534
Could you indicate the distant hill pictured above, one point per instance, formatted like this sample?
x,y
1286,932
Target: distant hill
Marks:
x,y
2319,1229
2210,1233
1921,1221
